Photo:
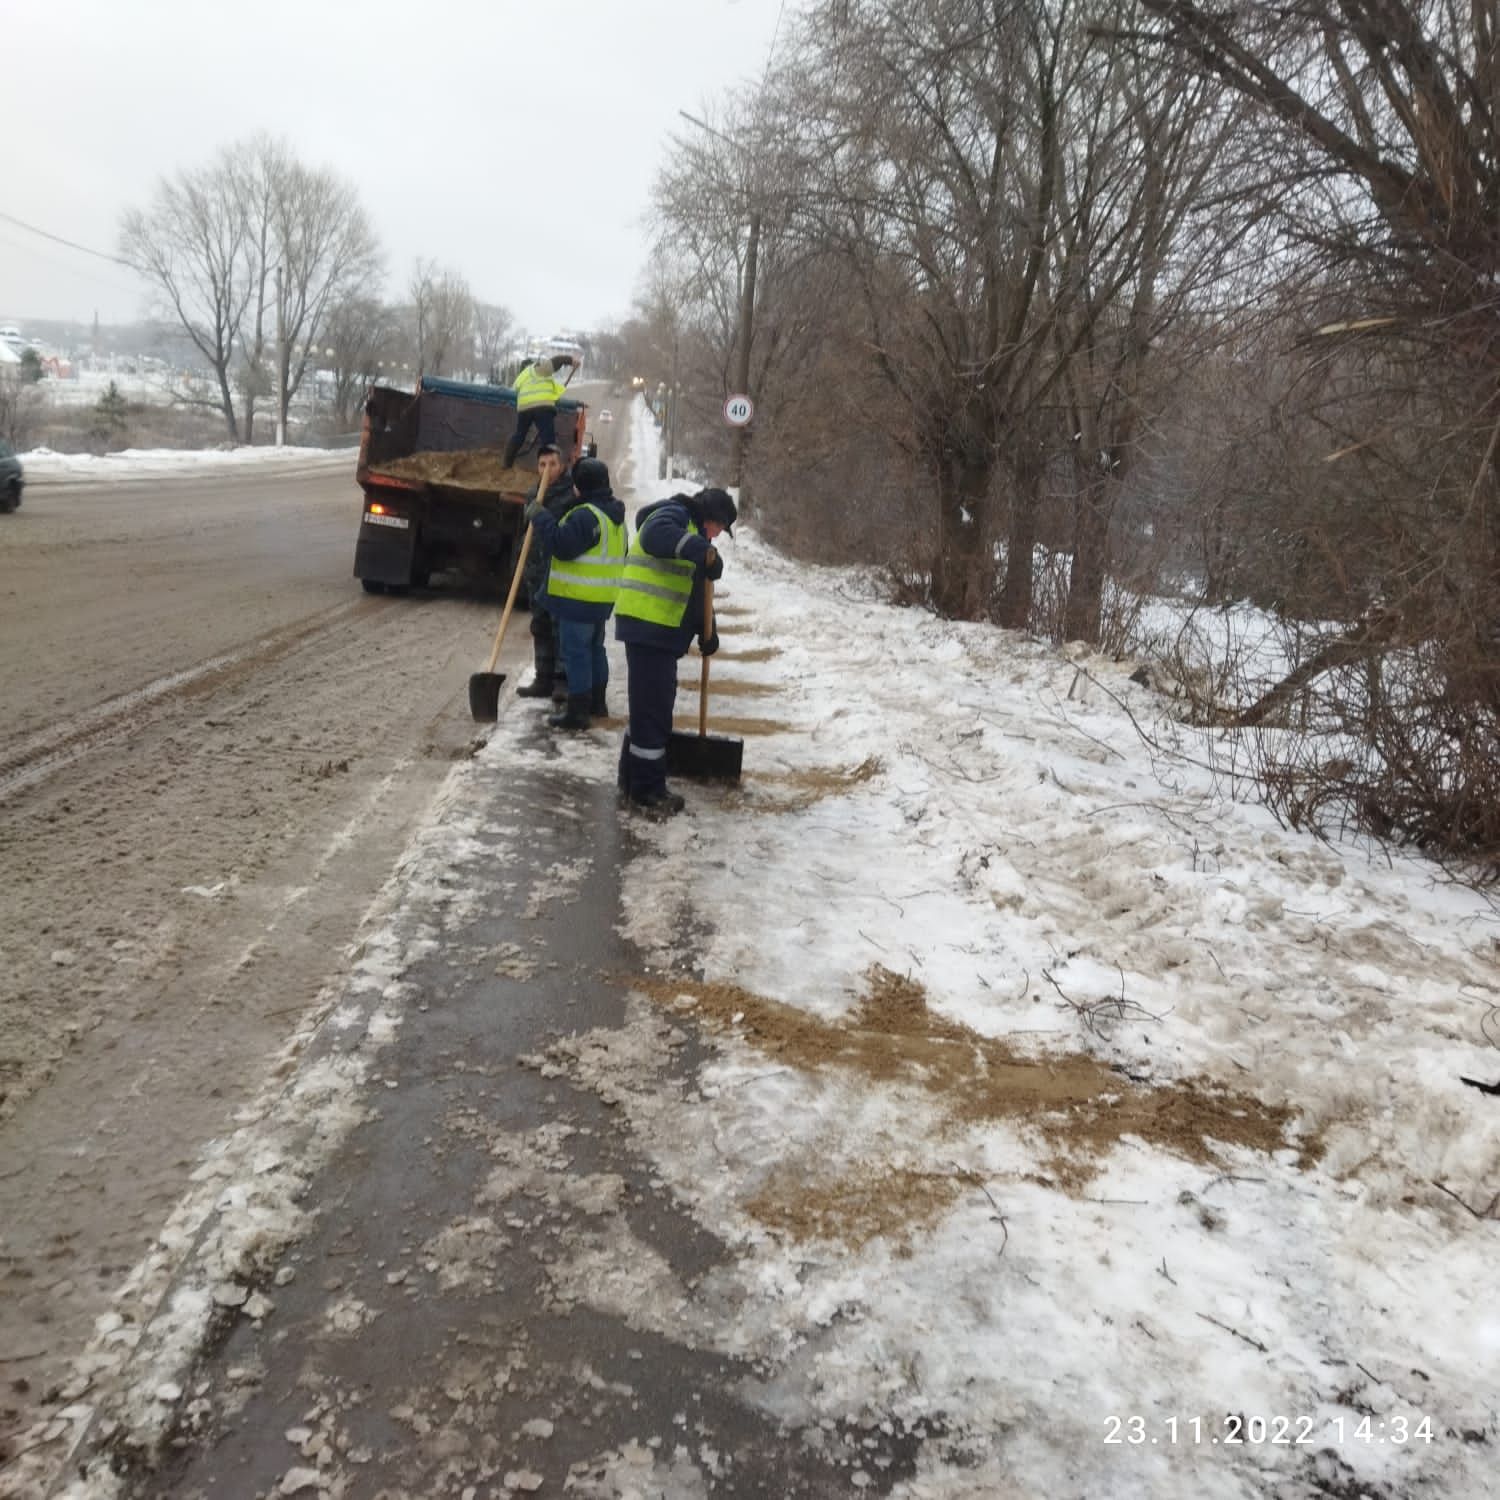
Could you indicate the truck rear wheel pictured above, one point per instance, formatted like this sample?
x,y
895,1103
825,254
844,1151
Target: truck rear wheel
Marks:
x,y
10,497
371,586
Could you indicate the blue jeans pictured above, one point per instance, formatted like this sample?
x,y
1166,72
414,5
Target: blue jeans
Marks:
x,y
582,645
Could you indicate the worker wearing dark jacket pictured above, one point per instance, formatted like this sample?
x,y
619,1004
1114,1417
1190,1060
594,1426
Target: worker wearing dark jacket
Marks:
x,y
659,611
538,391
585,547
548,681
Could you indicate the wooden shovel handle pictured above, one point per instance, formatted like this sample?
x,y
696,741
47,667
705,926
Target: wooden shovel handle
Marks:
x,y
510,602
708,630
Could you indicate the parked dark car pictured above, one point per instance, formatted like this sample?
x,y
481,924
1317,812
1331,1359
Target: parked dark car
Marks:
x,y
11,477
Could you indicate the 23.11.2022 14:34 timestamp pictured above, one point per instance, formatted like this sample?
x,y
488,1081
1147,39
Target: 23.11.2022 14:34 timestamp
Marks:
x,y
1235,1429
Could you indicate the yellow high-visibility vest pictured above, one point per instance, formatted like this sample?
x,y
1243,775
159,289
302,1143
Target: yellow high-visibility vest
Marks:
x,y
654,589
593,577
537,390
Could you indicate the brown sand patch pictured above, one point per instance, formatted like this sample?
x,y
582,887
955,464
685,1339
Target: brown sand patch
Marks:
x,y
475,469
717,724
870,1202
719,688
805,788
1081,1106
754,653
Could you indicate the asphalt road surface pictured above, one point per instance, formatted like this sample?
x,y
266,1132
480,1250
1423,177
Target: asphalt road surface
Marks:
x,y
213,749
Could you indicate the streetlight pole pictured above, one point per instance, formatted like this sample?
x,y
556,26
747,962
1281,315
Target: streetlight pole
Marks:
x,y
280,363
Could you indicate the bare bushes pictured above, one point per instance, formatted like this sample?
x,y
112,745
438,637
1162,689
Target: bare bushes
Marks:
x,y
21,409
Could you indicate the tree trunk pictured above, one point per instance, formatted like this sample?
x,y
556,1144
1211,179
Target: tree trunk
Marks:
x,y
226,403
1092,510
1014,611
963,570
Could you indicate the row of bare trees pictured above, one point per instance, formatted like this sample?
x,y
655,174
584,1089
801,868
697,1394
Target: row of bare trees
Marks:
x,y
272,269
1157,288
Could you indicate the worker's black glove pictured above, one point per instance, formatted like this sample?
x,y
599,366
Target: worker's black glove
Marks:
x,y
707,647
714,568
533,509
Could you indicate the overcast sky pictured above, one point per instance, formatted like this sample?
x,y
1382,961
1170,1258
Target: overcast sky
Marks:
x,y
514,141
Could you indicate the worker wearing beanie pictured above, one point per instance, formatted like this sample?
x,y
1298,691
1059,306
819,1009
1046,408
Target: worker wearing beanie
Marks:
x,y
537,393
585,547
659,611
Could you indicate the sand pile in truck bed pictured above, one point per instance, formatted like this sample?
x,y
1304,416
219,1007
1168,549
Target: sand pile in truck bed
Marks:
x,y
473,469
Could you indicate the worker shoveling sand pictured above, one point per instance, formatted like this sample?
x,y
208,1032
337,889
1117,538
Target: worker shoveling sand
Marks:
x,y
475,469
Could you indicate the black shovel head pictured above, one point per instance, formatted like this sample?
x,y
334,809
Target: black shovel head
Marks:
x,y
484,696
705,757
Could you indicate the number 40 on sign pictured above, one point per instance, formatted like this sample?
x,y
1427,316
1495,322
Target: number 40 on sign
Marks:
x,y
738,410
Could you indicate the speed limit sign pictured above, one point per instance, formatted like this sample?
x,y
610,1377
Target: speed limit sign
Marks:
x,y
738,410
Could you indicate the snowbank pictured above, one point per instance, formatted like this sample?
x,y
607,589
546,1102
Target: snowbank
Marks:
x,y
43,466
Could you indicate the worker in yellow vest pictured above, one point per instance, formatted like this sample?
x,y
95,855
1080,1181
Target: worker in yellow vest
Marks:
x,y
585,547
658,612
538,390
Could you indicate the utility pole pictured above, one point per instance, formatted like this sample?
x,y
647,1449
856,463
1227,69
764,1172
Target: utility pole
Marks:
x,y
280,363
674,395
747,293
742,364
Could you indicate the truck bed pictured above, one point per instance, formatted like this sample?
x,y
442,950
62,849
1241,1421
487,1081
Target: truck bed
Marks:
x,y
482,470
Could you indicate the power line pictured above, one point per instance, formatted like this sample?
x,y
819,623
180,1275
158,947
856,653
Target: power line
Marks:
x,y
771,50
24,248
57,238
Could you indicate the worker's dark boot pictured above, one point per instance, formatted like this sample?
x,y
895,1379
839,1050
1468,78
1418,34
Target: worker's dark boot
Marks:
x,y
559,689
575,715
597,705
540,685
659,804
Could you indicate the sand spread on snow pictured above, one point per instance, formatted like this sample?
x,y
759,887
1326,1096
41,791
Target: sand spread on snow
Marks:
x,y
1081,1106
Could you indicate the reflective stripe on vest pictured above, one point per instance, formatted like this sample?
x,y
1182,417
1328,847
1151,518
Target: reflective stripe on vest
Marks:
x,y
594,577
536,390
654,589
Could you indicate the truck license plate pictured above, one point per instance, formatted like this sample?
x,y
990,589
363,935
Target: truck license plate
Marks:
x,y
374,520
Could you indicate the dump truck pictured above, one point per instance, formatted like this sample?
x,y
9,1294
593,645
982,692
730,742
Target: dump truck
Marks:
x,y
438,497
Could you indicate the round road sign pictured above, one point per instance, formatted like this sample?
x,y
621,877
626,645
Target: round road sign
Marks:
x,y
738,410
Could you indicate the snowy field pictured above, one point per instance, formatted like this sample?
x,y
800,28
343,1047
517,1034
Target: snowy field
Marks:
x,y
1060,1112
87,386
43,466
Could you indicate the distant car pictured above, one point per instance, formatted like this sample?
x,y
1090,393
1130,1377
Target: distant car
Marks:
x,y
11,478
606,415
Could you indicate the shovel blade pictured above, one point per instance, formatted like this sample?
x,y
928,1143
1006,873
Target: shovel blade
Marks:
x,y
484,696
705,757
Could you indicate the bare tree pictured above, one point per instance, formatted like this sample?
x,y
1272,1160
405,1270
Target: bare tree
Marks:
x,y
494,337
939,132
364,336
1380,149
443,309
191,245
328,252
259,171
213,244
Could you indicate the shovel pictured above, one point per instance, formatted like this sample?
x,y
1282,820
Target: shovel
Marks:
x,y
484,687
704,756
